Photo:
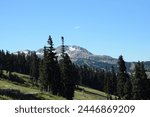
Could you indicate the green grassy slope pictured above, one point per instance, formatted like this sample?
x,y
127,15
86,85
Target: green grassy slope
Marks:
x,y
25,91
90,94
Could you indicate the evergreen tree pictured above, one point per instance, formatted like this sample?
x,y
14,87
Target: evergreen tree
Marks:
x,y
8,65
145,84
108,83
137,84
62,48
140,82
44,76
114,81
121,77
67,74
2,61
143,71
76,76
22,63
34,68
84,75
122,66
128,89
50,73
54,71
29,61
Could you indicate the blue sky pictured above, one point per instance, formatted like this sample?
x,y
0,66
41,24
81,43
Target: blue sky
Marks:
x,y
104,27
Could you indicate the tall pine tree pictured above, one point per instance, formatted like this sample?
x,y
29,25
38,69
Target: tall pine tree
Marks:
x,y
44,72
67,74
136,82
34,68
121,77
140,82
49,73
128,89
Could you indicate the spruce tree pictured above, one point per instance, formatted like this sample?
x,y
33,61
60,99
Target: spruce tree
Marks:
x,y
145,84
54,71
34,68
76,76
67,74
108,85
44,72
68,78
2,58
140,82
8,64
63,47
114,81
128,89
137,84
2,62
121,77
50,72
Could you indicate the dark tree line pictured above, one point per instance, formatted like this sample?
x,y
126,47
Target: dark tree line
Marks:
x,y
103,80
62,77
15,62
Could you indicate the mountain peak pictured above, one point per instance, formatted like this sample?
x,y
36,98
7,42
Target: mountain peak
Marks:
x,y
80,55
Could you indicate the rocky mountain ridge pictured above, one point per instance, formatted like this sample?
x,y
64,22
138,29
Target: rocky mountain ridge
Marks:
x,y
82,56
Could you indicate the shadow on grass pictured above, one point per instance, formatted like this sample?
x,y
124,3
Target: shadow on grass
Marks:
x,y
13,78
17,95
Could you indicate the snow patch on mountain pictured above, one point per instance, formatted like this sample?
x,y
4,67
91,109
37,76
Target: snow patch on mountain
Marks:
x,y
72,48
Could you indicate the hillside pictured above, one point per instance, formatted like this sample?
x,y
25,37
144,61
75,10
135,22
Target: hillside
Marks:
x,y
24,90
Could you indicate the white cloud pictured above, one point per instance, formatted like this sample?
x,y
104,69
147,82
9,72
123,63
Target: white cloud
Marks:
x,y
77,27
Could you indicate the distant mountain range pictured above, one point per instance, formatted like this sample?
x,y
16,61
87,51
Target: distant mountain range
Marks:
x,y
82,56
